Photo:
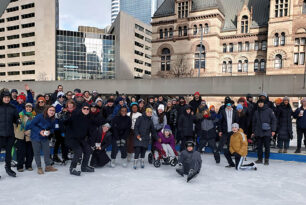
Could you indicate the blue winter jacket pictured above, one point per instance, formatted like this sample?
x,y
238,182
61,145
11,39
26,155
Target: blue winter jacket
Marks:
x,y
40,123
300,121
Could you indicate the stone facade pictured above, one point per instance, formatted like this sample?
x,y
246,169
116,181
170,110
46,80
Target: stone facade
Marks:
x,y
250,37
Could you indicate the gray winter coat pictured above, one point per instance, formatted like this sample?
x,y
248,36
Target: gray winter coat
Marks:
x,y
158,126
145,128
190,160
261,116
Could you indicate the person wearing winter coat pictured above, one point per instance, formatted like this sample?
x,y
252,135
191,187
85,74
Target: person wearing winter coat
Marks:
x,y
190,162
141,106
8,117
228,117
300,117
121,127
239,149
144,131
22,99
14,94
171,114
97,120
120,102
166,145
103,140
42,126
79,101
77,131
185,127
195,103
264,127
284,125
134,115
40,105
108,110
159,118
23,143
264,96
208,133
251,110
243,120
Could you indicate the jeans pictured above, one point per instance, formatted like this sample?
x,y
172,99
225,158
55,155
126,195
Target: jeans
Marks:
x,y
44,146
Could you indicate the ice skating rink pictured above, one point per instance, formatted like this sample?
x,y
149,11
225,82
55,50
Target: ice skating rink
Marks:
x,y
280,183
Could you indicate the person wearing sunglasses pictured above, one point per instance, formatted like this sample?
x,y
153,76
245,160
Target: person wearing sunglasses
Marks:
x,y
77,130
40,105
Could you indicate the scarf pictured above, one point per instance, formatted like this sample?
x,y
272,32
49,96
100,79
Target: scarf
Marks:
x,y
29,115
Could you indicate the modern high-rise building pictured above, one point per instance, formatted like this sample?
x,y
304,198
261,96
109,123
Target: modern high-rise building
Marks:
x,y
132,47
142,10
86,54
27,40
115,9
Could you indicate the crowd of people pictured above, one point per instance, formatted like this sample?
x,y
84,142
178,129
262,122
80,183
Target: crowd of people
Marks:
x,y
83,125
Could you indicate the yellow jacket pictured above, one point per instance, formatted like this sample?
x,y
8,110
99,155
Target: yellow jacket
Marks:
x,y
239,143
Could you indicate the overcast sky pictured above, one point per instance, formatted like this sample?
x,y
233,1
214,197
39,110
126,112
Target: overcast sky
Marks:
x,y
84,12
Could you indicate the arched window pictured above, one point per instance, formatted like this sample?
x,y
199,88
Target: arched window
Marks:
x,y
170,33
278,61
229,66
256,65
224,67
224,48
195,30
276,39
166,33
206,28
200,29
165,59
283,39
239,66
231,47
245,65
180,31
281,8
245,24
262,65
247,46
161,34
185,30
199,57
304,7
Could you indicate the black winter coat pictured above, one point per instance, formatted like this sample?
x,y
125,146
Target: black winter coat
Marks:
x,y
185,125
222,125
121,126
77,126
145,128
284,121
172,117
106,140
263,115
195,104
107,112
244,119
8,117
97,120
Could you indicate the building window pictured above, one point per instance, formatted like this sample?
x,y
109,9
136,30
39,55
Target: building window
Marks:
x,y
299,56
2,56
278,62
195,30
165,60
2,73
276,39
26,16
2,47
11,28
256,46
224,48
139,36
256,65
14,73
28,25
244,24
264,45
283,39
231,48
13,46
28,72
245,66
224,67
206,28
166,33
247,46
28,44
28,63
281,8
183,9
185,31
139,28
171,33
180,31
12,37
304,7
161,34
13,64
27,6
262,65
138,61
2,29
16,8
139,44
13,55
26,35
14,18
30,53
2,38
239,66
199,57
227,67
2,20
239,46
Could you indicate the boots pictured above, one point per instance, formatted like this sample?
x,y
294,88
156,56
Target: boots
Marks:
x,y
191,175
180,170
56,159
9,171
135,163
259,161
87,169
50,169
266,162
298,150
112,164
40,171
280,151
142,164
73,171
124,163
285,151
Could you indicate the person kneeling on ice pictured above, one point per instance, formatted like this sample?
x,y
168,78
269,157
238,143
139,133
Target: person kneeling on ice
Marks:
x,y
190,162
239,149
165,147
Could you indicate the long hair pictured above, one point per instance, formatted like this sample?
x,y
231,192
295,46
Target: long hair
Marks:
x,y
46,112
161,117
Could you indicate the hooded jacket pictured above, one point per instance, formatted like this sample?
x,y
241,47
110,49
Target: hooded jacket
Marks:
x,y
263,115
239,143
284,121
185,124
8,117
145,128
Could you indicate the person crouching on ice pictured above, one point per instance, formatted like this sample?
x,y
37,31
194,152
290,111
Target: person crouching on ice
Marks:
x,y
239,149
190,162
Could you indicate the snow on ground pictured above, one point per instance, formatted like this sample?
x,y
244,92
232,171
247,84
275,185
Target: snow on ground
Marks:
x,y
280,183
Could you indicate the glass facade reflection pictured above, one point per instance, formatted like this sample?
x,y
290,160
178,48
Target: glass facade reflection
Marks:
x,y
140,9
82,55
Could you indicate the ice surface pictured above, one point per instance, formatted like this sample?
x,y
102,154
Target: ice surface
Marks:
x,y
280,183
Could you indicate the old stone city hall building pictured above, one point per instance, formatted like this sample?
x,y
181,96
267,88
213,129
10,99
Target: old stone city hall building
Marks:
x,y
240,37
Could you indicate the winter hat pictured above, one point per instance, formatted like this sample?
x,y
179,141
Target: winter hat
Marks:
x,y
41,99
94,92
242,99
98,99
235,125
28,105
85,105
263,94
110,100
174,99
278,100
189,144
197,93
239,107
79,95
260,101
161,107
181,98
227,99
22,96
107,125
6,94
60,94
93,105
167,128
133,103
249,96
140,100
286,99
14,91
